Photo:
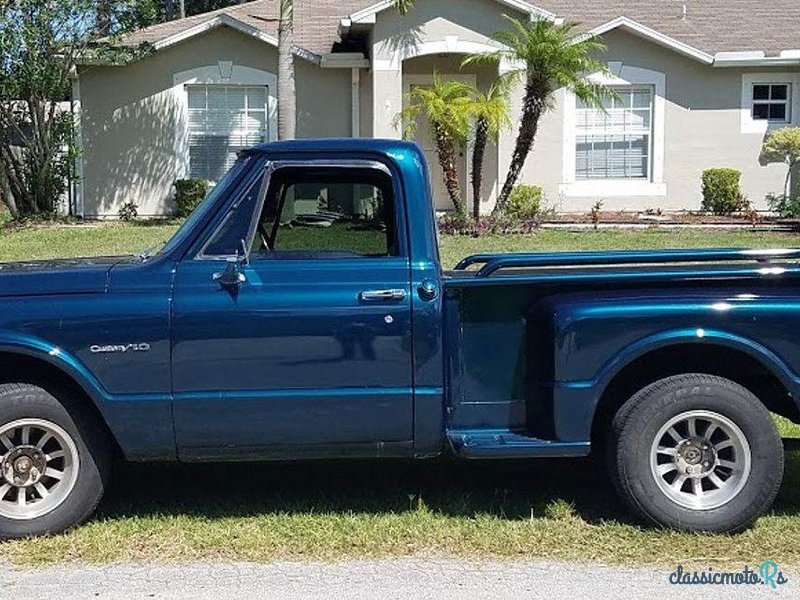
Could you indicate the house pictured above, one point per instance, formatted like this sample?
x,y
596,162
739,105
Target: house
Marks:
x,y
699,84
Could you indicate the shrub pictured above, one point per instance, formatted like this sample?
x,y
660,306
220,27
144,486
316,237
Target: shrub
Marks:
x,y
721,192
785,207
188,195
524,203
128,212
459,224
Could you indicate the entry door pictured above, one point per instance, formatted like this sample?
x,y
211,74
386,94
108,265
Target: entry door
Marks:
x,y
311,351
424,137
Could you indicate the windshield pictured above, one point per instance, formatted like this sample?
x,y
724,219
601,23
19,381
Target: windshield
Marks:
x,y
200,212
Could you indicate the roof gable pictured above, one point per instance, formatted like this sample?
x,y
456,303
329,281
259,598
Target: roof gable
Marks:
x,y
367,15
711,31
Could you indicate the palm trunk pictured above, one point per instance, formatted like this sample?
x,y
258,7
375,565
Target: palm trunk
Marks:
x,y
532,110
478,154
446,150
287,98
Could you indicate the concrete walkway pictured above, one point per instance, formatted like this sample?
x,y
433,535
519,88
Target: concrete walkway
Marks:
x,y
403,579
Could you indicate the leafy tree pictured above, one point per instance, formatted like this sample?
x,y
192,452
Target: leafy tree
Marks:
x,y
40,41
491,115
783,145
447,105
551,56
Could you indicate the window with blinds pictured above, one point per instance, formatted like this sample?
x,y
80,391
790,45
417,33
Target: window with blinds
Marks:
x,y
614,142
223,119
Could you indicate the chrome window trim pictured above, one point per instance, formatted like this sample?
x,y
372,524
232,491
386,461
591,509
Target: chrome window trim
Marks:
x,y
270,168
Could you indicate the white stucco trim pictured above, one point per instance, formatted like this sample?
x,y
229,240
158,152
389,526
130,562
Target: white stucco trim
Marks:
x,y
757,58
651,34
234,23
77,110
368,15
620,75
452,44
223,73
750,125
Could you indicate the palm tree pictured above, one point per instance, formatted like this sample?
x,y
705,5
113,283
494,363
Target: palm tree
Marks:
x,y
403,6
491,115
287,94
553,56
446,105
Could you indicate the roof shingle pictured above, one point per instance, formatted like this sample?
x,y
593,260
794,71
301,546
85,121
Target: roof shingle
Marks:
x,y
708,25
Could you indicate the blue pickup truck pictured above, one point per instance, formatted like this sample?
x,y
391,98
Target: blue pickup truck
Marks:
x,y
302,312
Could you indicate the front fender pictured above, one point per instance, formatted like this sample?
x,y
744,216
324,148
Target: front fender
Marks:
x,y
140,423
35,347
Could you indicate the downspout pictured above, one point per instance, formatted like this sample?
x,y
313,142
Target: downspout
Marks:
x,y
355,127
76,109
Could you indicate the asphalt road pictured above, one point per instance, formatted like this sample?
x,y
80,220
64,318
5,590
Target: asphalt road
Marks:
x,y
402,579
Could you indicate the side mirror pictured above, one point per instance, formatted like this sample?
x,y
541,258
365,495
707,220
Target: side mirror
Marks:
x,y
231,277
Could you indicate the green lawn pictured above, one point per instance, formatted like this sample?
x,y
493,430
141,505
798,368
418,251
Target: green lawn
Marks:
x,y
98,239
545,509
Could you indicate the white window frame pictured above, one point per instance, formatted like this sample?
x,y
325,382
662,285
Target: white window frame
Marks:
x,y
259,109
605,132
223,73
762,126
619,76
786,102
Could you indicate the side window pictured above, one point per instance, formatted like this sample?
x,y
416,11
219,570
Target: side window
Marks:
x,y
327,212
229,237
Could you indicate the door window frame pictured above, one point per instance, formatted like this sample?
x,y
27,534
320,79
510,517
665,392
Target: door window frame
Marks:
x,y
274,166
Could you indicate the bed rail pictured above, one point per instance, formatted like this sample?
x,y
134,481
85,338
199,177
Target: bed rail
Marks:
x,y
495,262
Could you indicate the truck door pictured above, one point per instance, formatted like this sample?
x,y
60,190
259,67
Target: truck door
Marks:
x,y
305,347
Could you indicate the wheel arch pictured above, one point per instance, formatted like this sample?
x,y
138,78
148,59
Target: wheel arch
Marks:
x,y
741,360
53,371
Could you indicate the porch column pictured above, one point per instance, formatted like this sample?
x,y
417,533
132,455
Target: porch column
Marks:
x,y
387,99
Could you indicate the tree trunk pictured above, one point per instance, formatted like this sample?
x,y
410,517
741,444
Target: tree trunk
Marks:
x,y
446,150
533,107
103,25
478,153
287,98
6,195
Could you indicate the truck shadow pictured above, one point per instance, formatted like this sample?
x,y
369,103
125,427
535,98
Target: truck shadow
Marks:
x,y
508,490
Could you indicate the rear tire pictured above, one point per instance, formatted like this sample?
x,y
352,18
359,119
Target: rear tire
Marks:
x,y
55,461
696,452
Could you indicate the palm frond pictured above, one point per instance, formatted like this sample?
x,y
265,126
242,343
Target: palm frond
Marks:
x,y
403,6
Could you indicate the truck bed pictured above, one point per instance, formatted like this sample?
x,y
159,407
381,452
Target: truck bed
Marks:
x,y
501,313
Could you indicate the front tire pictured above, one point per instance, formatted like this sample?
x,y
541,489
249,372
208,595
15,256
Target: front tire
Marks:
x,y
54,461
696,452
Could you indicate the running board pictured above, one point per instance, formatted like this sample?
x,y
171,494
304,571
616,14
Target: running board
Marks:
x,y
502,443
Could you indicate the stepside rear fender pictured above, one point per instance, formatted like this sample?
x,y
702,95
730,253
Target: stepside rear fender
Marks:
x,y
594,339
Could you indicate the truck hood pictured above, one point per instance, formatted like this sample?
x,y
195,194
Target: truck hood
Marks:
x,y
57,277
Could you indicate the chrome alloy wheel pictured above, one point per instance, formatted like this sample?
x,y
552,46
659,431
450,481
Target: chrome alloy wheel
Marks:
x,y
700,459
38,468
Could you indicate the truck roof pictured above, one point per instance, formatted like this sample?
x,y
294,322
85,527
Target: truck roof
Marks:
x,y
383,146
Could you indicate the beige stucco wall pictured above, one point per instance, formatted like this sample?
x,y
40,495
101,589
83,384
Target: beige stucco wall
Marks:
x,y
702,130
130,115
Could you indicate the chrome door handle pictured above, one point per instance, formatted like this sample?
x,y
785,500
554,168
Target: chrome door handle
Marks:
x,y
383,295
